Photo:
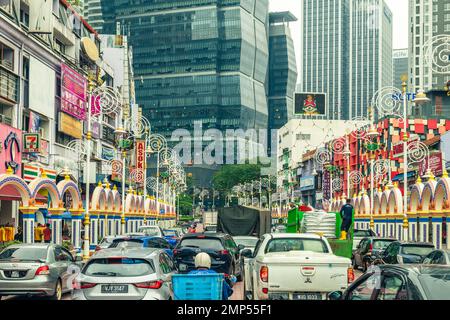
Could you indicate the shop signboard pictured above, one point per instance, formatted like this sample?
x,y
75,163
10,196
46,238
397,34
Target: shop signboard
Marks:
x,y
398,147
31,142
310,104
434,163
10,149
73,93
107,153
70,126
307,183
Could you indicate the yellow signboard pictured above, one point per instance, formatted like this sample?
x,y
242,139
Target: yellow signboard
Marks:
x,y
70,126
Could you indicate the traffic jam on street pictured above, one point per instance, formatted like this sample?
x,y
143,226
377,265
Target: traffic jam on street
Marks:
x,y
224,150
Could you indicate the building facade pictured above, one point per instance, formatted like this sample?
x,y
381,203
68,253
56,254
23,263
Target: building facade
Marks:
x,y
347,53
400,67
92,11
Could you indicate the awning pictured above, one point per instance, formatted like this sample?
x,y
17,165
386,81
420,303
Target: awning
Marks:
x,y
399,177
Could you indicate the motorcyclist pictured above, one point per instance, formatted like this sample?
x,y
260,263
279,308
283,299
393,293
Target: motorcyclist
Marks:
x,y
203,266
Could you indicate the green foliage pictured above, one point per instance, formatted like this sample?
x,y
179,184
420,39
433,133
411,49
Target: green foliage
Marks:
x,y
185,204
231,175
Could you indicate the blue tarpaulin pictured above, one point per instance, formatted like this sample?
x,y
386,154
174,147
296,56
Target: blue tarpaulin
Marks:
x,y
399,177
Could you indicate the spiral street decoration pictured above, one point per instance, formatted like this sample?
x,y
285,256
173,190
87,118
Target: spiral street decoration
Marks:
x,y
417,152
137,175
166,156
338,146
151,183
322,156
157,142
387,101
337,184
437,54
381,167
78,146
107,100
356,177
137,126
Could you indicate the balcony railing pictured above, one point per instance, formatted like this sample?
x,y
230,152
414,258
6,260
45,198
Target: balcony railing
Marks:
x,y
9,85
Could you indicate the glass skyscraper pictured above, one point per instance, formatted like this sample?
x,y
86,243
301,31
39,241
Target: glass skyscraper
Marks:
x,y
202,60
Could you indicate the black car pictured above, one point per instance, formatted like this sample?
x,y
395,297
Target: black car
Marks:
x,y
221,248
368,250
399,252
399,282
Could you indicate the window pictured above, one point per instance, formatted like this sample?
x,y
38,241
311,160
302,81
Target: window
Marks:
x,y
118,267
365,289
6,57
392,288
296,244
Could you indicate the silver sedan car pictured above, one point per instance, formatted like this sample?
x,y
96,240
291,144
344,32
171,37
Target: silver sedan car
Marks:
x,y
126,274
36,270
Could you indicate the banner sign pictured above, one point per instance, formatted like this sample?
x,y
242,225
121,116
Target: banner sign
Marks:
x,y
398,147
10,149
307,183
326,185
140,160
70,126
435,164
107,153
32,172
73,93
310,104
31,142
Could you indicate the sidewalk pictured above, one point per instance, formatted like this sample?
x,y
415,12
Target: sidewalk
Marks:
x,y
238,291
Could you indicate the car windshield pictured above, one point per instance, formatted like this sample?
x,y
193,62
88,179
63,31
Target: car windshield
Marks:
x,y
202,243
150,231
118,267
130,243
248,243
381,244
24,253
416,250
362,233
296,244
436,284
171,233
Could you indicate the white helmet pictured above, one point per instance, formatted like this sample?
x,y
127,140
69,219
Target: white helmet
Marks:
x,y
202,260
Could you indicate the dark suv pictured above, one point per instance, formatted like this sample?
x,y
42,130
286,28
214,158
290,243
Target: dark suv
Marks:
x,y
221,248
369,249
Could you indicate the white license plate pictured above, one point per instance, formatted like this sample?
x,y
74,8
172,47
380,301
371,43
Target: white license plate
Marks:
x,y
307,296
182,267
112,288
15,274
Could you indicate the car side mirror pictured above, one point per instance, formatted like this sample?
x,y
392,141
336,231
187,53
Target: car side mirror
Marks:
x,y
335,295
246,253
241,247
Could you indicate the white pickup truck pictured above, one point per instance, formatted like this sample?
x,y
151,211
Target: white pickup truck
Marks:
x,y
293,266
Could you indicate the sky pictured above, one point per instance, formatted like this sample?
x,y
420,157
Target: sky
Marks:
x,y
399,9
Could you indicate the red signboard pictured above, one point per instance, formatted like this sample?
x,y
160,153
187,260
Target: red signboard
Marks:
x,y
140,161
435,164
73,93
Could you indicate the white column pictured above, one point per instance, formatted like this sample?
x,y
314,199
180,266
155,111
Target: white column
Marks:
x,y
28,227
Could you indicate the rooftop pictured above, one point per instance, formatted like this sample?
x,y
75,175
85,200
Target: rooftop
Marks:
x,y
282,17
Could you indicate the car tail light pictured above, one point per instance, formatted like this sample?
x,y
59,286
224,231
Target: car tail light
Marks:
x,y
350,275
149,285
223,252
44,270
371,247
201,237
175,252
265,290
87,285
98,248
264,274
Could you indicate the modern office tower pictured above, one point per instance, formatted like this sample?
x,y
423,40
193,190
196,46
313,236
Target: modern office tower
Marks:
x,y
427,19
347,53
282,69
400,67
93,14
200,61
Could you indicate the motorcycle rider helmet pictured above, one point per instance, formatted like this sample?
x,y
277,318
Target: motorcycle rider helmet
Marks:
x,y
202,260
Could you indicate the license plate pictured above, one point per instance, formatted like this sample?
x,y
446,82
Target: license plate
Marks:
x,y
182,267
112,288
15,274
307,296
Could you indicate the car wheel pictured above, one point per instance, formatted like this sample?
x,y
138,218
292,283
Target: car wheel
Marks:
x,y
58,291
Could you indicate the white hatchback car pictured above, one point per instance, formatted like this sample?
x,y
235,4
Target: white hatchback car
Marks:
x,y
151,231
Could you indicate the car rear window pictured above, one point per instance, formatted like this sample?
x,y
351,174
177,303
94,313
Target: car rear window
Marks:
x,y
248,243
202,243
133,243
363,233
381,244
170,233
296,244
416,250
150,231
24,254
118,267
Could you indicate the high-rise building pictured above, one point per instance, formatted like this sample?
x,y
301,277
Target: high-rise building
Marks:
x,y
197,61
92,11
427,19
400,67
282,69
347,53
